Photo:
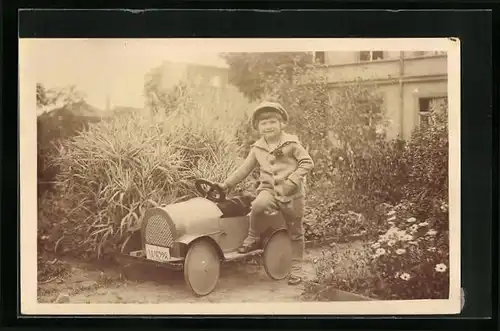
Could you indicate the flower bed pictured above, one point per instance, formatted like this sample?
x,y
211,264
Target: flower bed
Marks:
x,y
411,258
408,260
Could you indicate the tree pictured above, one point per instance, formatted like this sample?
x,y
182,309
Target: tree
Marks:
x,y
160,98
42,99
51,130
66,96
249,71
152,89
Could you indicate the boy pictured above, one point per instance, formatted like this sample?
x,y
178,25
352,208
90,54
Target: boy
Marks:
x,y
283,163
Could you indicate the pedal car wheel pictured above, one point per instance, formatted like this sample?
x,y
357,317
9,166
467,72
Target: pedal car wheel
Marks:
x,y
277,256
202,267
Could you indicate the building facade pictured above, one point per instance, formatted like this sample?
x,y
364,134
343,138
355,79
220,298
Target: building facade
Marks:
x,y
408,81
200,74
209,79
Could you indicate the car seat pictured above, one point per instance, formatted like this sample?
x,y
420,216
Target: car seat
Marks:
x,y
236,206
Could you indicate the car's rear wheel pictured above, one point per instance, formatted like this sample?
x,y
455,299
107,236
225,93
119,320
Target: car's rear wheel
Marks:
x,y
202,267
277,256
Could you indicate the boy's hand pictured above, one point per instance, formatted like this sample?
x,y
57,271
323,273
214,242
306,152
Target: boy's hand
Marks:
x,y
288,187
221,186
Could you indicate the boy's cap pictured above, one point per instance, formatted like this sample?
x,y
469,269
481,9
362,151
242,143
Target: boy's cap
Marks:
x,y
269,106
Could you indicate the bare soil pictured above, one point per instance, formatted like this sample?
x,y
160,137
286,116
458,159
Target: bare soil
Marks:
x,y
239,282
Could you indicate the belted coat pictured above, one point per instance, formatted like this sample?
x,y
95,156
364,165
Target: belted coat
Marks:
x,y
282,170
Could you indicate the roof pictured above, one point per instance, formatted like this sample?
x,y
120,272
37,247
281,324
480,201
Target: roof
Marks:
x,y
78,109
207,62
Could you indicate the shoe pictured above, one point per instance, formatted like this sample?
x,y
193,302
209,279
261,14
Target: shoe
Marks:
x,y
248,246
294,280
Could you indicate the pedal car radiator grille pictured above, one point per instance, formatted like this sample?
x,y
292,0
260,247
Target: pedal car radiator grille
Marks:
x,y
158,232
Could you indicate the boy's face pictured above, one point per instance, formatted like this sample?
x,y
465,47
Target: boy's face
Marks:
x,y
270,126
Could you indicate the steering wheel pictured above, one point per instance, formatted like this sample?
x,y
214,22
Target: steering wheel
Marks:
x,y
210,190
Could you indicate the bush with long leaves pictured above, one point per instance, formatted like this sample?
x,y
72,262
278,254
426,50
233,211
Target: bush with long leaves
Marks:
x,y
115,170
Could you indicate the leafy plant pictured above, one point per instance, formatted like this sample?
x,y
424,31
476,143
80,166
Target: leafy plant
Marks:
x,y
250,72
347,268
116,169
55,126
410,254
411,258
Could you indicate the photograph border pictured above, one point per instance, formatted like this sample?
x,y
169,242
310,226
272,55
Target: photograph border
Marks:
x,y
483,160
396,307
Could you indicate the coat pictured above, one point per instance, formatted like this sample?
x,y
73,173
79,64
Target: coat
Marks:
x,y
282,170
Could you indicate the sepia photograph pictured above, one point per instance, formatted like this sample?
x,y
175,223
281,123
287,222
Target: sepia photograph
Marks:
x,y
248,176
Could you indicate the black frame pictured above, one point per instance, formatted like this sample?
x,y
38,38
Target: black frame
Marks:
x,y
473,28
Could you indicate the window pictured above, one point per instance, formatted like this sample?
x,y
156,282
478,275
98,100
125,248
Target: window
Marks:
x,y
429,53
427,105
438,52
371,55
319,57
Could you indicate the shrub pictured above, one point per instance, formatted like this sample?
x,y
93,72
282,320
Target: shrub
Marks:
x,y
347,268
331,220
360,174
408,260
394,171
426,156
49,270
344,131
53,128
117,168
411,258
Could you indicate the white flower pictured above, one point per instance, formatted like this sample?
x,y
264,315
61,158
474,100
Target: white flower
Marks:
x,y
331,271
400,251
441,267
414,227
391,242
407,237
376,245
411,220
432,232
383,238
392,212
393,218
392,230
380,251
400,234
431,249
405,276
341,158
423,224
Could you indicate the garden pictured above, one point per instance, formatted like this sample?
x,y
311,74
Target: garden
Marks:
x,y
388,198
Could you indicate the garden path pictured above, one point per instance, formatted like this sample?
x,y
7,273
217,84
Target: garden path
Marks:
x,y
239,282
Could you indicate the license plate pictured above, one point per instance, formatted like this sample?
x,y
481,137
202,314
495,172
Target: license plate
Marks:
x,y
157,253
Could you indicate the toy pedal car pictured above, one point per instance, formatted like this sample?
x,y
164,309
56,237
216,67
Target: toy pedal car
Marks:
x,y
198,234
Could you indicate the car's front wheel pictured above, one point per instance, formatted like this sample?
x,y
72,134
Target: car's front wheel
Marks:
x,y
202,267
